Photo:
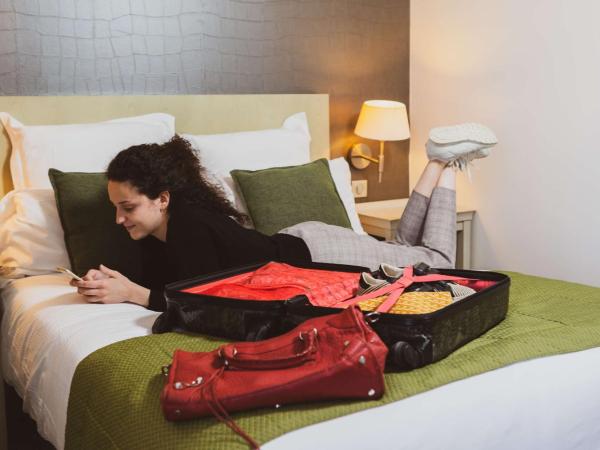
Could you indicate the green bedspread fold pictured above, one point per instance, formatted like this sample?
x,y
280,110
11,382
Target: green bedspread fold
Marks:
x,y
114,399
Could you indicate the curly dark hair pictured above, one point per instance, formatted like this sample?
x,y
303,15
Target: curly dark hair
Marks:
x,y
173,167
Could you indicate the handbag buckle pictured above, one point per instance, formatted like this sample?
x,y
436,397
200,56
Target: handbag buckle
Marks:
x,y
301,337
372,317
182,385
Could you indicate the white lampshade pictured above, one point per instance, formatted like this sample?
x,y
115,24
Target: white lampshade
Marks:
x,y
383,120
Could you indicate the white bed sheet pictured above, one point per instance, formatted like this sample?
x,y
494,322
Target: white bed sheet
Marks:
x,y
47,329
549,403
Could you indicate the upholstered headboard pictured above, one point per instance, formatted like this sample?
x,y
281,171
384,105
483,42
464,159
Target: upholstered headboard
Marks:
x,y
195,114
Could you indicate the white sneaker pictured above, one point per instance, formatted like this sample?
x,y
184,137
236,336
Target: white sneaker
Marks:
x,y
458,145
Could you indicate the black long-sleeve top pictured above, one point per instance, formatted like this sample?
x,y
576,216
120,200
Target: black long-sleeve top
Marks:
x,y
200,242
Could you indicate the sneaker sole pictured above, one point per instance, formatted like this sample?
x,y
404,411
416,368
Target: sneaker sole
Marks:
x,y
450,152
464,132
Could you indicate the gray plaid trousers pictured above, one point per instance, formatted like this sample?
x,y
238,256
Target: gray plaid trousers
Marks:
x,y
426,233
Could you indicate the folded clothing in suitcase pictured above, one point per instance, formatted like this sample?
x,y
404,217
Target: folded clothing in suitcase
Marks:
x,y
264,300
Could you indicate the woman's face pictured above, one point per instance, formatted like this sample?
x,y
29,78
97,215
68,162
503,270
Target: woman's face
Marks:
x,y
140,215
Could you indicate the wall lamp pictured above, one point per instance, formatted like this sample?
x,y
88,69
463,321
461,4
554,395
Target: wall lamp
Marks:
x,y
382,120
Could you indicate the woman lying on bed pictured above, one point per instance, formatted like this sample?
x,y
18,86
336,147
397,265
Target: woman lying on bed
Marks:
x,y
187,227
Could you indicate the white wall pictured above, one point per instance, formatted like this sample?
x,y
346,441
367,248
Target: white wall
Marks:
x,y
531,71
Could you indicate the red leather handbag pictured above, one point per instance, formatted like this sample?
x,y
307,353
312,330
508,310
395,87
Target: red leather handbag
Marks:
x,y
329,357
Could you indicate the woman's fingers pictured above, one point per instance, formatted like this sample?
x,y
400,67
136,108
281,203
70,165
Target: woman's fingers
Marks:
x,y
99,294
94,274
108,289
90,275
111,273
90,284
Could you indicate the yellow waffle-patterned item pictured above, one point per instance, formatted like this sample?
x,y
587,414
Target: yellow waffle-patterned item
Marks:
x,y
411,302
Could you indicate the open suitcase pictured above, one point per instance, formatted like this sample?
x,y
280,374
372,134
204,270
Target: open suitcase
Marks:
x,y
207,304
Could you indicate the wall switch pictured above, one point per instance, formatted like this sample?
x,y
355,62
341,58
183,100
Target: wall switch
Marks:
x,y
359,188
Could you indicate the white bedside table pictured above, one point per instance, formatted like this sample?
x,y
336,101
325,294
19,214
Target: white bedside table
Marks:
x,y
381,218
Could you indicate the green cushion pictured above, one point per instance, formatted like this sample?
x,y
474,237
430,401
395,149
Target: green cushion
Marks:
x,y
283,196
88,219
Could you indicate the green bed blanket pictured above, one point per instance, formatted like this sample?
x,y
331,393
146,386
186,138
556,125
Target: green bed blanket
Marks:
x,y
114,399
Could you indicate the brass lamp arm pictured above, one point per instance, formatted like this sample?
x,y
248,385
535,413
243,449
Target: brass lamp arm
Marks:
x,y
360,157
368,158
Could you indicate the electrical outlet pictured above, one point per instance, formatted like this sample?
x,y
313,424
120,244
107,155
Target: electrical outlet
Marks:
x,y
359,188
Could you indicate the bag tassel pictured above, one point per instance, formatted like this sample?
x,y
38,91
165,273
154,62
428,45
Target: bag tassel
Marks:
x,y
220,413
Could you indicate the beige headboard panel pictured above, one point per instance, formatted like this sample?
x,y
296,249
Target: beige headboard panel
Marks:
x,y
196,114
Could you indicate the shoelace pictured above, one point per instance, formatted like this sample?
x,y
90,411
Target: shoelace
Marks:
x,y
464,163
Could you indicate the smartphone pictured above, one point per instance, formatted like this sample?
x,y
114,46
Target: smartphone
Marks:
x,y
68,272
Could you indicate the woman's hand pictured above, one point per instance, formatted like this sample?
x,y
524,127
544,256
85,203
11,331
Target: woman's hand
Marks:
x,y
92,274
109,286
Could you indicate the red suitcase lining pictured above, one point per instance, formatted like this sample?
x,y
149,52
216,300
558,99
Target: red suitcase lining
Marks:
x,y
279,281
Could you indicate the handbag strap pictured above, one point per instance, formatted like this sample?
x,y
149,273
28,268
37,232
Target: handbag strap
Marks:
x,y
235,359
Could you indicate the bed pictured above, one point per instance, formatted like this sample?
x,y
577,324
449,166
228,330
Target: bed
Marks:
x,y
550,402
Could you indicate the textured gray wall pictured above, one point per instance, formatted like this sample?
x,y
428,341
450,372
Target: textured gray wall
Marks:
x,y
352,49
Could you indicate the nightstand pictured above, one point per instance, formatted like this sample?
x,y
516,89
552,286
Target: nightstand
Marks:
x,y
381,218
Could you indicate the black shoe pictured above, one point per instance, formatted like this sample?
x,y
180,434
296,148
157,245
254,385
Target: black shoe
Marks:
x,y
388,272
368,283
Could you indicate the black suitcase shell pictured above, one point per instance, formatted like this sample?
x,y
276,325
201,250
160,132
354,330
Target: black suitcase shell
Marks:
x,y
414,340
241,320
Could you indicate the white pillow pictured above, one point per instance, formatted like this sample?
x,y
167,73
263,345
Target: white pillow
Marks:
x,y
31,236
77,147
340,172
229,188
262,149
254,150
